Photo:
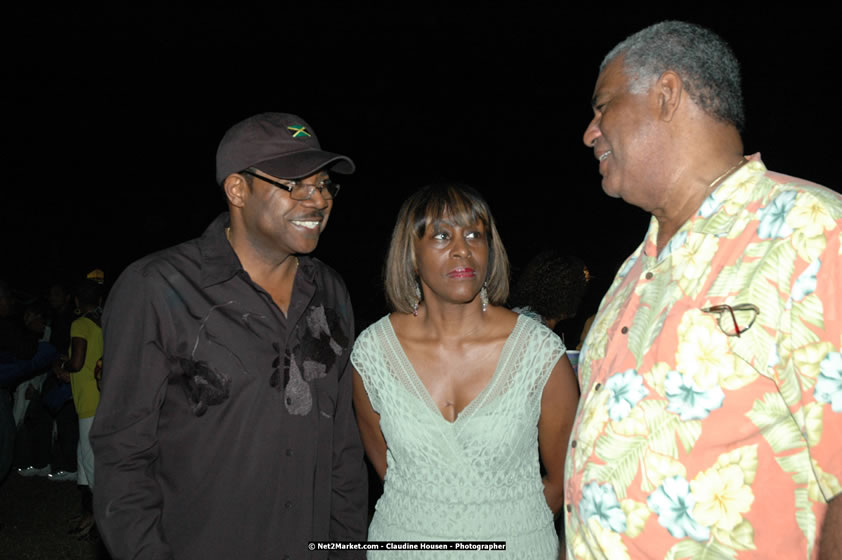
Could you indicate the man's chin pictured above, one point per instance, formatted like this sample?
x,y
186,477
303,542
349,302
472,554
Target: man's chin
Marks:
x,y
611,190
306,248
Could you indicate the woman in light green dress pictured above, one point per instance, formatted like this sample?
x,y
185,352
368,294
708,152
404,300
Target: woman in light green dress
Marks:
x,y
455,395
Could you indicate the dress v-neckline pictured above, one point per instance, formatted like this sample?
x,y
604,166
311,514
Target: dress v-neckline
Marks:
x,y
505,353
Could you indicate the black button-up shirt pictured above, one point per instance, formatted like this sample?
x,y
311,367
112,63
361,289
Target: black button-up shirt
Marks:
x,y
225,428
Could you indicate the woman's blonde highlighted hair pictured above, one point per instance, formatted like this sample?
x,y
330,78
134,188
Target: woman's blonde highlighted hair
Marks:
x,y
459,204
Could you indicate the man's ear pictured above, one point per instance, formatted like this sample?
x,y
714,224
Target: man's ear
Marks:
x,y
669,90
236,189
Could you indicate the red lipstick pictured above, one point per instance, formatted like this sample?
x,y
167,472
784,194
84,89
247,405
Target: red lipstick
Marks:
x,y
461,273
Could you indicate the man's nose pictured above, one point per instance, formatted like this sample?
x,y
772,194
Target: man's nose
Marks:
x,y
592,132
318,199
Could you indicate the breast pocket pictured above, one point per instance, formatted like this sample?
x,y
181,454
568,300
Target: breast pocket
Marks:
x,y
706,348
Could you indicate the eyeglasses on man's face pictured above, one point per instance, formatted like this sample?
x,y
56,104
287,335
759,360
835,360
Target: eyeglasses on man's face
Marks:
x,y
734,319
299,190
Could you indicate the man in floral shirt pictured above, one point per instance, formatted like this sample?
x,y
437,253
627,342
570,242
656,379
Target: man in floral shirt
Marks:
x,y
710,423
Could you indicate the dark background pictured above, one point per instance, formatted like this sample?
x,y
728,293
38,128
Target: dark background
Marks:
x,y
114,114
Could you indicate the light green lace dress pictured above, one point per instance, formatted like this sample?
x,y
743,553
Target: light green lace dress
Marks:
x,y
477,478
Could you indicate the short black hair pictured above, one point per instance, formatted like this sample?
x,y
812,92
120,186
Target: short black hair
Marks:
x,y
552,285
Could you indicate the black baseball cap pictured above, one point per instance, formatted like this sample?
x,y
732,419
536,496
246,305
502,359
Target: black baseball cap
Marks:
x,y
280,144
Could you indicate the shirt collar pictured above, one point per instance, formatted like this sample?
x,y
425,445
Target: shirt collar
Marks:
x,y
709,207
220,263
728,190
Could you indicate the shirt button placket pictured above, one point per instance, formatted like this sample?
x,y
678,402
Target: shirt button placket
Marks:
x,y
276,372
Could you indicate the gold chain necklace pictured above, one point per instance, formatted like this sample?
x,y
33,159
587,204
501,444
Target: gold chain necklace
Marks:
x,y
727,173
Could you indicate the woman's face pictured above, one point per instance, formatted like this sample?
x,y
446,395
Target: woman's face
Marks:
x,y
452,261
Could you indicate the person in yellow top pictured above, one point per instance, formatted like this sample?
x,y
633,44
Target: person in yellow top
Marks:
x,y
85,350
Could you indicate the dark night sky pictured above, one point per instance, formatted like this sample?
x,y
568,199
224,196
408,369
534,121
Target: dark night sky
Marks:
x,y
115,116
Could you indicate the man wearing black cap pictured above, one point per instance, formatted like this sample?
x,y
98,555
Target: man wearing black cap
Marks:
x,y
225,428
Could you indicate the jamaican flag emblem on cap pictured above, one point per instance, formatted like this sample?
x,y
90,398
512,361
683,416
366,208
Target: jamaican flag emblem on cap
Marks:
x,y
298,131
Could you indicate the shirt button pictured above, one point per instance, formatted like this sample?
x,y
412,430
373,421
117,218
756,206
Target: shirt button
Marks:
x,y
597,387
569,508
289,452
649,275
573,444
288,505
624,330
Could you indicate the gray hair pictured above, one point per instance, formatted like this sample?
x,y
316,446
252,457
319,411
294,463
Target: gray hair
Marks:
x,y
706,64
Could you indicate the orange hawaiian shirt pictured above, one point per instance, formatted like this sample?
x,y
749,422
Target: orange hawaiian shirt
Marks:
x,y
710,422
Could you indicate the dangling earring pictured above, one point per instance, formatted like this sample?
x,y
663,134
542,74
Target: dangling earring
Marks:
x,y
417,300
483,297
